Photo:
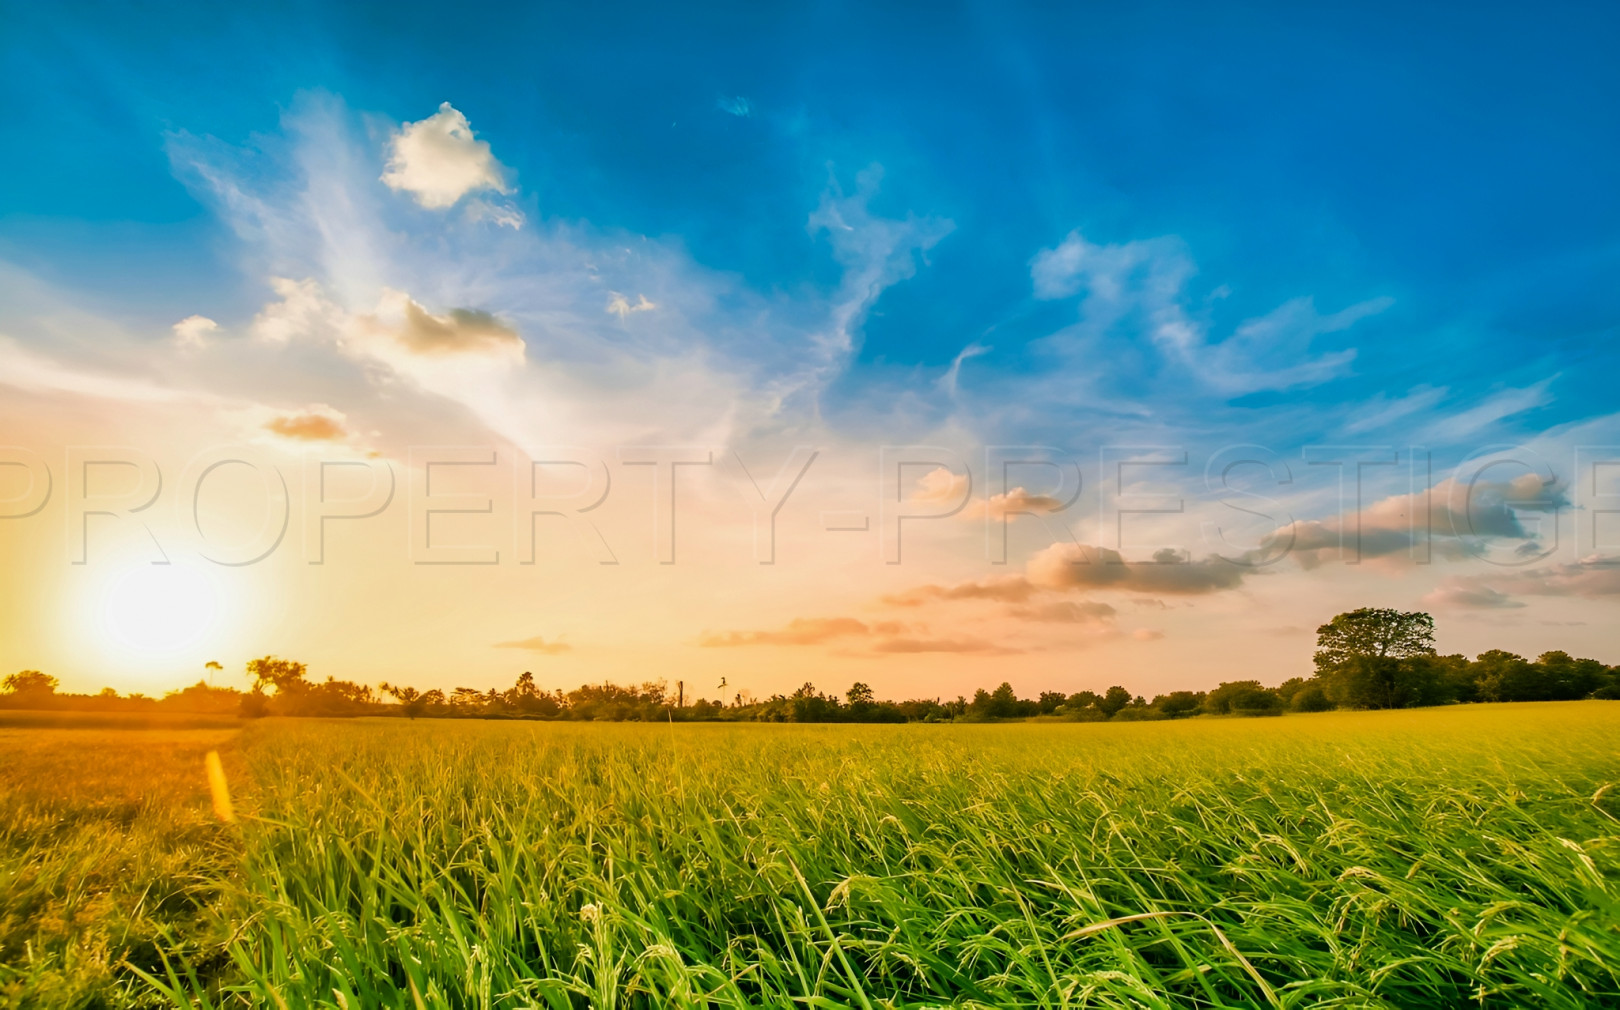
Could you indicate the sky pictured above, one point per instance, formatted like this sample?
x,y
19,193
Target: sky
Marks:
x,y
925,348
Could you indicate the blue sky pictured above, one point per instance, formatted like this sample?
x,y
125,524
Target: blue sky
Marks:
x,y
1149,223
1459,160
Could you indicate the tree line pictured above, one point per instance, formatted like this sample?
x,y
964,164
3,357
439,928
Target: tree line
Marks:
x,y
1368,658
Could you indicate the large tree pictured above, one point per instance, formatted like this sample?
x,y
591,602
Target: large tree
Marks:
x,y
284,675
31,684
1379,658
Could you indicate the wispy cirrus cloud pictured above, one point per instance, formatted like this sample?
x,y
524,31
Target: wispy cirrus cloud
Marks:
x,y
1005,589
799,631
539,644
973,646
1592,578
1140,287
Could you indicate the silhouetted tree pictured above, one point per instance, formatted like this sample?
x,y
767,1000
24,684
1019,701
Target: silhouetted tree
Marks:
x,y
31,685
409,698
282,674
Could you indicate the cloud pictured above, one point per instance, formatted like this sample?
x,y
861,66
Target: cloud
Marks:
x,y
1147,634
537,644
1493,408
1065,567
1068,567
459,331
949,381
438,160
619,305
1380,411
736,105
1592,578
302,312
799,631
976,646
876,253
399,325
1456,510
1016,501
1458,596
939,486
317,424
1141,287
21,368
192,332
1007,589
500,214
1085,612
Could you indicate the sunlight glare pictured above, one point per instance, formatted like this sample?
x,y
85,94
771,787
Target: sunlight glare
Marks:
x,y
159,609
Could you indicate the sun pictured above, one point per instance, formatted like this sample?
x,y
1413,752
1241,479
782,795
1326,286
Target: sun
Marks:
x,y
159,610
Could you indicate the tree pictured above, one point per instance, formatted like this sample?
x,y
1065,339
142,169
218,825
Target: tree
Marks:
x,y
1082,700
859,695
409,698
1566,678
1377,658
1003,702
1115,699
1310,698
1243,697
1179,704
1507,676
31,684
282,674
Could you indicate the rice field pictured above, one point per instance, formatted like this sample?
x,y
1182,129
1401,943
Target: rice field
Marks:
x,y
1464,856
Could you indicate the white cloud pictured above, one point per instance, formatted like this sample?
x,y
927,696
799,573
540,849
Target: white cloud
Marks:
x,y
438,160
1015,502
302,312
876,254
192,332
499,214
1141,286
622,307
21,368
939,486
397,330
948,382
1493,408
1381,411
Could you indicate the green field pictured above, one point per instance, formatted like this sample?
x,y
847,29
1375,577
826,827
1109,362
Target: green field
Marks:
x,y
1425,858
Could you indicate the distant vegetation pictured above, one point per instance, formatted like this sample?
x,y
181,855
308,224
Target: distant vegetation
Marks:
x,y
1365,659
